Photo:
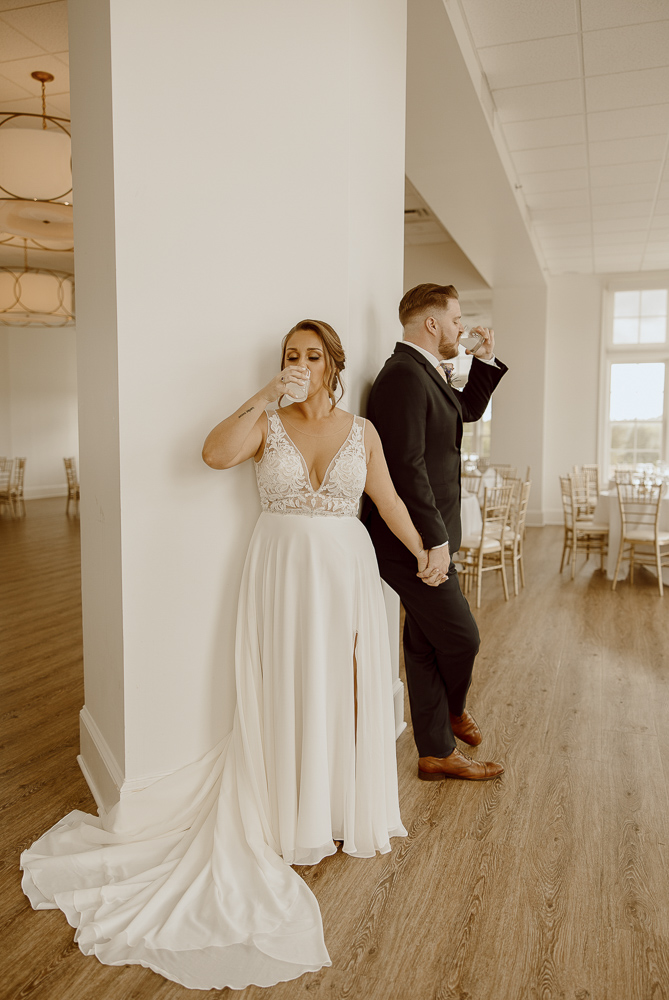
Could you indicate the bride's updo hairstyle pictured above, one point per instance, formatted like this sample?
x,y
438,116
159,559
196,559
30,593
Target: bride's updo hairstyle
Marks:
x,y
335,359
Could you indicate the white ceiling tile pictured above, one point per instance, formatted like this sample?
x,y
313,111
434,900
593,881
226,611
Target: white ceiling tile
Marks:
x,y
576,213
19,71
615,193
625,173
659,222
10,91
639,150
64,57
604,242
658,236
575,265
518,20
554,180
558,243
612,13
655,262
627,123
622,265
542,100
562,131
561,229
664,190
616,257
11,4
556,199
523,63
662,207
14,45
637,46
60,105
626,210
564,253
28,106
531,161
627,90
620,225
45,24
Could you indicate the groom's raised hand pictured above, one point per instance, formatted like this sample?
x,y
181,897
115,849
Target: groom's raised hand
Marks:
x,y
436,571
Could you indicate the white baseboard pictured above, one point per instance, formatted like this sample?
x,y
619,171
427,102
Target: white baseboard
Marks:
x,y
98,764
398,701
100,768
41,492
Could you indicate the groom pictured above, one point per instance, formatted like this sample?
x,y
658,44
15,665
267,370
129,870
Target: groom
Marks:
x,y
419,417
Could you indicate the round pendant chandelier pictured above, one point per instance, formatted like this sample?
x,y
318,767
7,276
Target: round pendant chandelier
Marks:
x,y
35,214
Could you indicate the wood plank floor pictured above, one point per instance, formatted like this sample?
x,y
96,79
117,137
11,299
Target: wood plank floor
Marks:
x,y
548,883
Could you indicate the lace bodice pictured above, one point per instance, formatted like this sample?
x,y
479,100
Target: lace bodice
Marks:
x,y
283,476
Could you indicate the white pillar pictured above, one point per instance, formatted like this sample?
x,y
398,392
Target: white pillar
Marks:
x,y
238,167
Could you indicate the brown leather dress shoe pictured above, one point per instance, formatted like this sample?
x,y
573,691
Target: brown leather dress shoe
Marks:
x,y
465,728
457,765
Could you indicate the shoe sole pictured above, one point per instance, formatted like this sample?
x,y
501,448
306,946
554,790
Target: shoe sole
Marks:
x,y
441,776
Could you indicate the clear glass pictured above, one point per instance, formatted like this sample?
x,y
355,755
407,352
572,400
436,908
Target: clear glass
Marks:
x,y
297,393
654,302
626,304
637,391
652,329
470,340
625,330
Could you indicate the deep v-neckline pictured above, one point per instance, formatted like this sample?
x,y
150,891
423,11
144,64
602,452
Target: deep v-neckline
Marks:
x,y
304,461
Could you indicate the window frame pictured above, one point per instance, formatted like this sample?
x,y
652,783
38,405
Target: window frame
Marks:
x,y
628,354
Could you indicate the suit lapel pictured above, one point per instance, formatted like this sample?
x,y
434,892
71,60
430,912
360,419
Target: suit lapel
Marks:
x,y
432,373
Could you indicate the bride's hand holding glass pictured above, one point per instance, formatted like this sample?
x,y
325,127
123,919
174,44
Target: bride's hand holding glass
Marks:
x,y
292,381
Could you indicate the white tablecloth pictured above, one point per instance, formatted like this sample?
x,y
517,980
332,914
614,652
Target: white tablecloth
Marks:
x,y
607,511
470,514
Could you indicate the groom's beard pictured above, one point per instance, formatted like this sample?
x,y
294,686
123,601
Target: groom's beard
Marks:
x,y
447,350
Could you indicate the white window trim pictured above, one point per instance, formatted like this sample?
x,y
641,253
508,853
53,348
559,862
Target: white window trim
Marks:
x,y
611,353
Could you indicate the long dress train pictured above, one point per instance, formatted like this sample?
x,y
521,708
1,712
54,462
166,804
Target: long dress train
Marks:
x,y
191,876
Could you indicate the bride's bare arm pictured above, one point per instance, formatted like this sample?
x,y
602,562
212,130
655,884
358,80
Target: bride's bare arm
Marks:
x,y
242,434
379,488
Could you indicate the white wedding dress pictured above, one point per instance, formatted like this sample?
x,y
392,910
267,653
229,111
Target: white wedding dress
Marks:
x,y
191,876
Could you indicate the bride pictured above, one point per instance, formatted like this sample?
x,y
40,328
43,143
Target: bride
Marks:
x,y
191,876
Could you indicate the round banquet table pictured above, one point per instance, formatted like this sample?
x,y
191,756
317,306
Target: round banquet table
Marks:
x,y
470,514
607,511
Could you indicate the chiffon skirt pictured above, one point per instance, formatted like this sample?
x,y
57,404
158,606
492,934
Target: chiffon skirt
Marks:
x,y
191,876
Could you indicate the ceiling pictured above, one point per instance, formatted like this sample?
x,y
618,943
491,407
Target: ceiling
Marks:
x,y
579,95
33,36
580,98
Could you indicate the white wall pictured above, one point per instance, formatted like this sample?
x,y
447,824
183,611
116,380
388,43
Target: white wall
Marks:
x,y
572,380
519,320
268,189
38,413
443,263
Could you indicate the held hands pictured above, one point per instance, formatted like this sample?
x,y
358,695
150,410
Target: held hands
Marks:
x,y
291,374
487,349
436,570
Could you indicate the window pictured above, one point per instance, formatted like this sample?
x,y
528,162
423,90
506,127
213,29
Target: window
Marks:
x,y
476,437
636,377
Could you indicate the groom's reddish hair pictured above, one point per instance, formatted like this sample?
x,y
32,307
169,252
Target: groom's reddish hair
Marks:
x,y
422,298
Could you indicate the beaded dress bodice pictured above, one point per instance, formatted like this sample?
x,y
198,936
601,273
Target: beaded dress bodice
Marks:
x,y
283,476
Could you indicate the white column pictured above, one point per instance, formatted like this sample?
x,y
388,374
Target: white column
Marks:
x,y
238,167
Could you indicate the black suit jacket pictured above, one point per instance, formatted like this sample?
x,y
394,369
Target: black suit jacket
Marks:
x,y
419,418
